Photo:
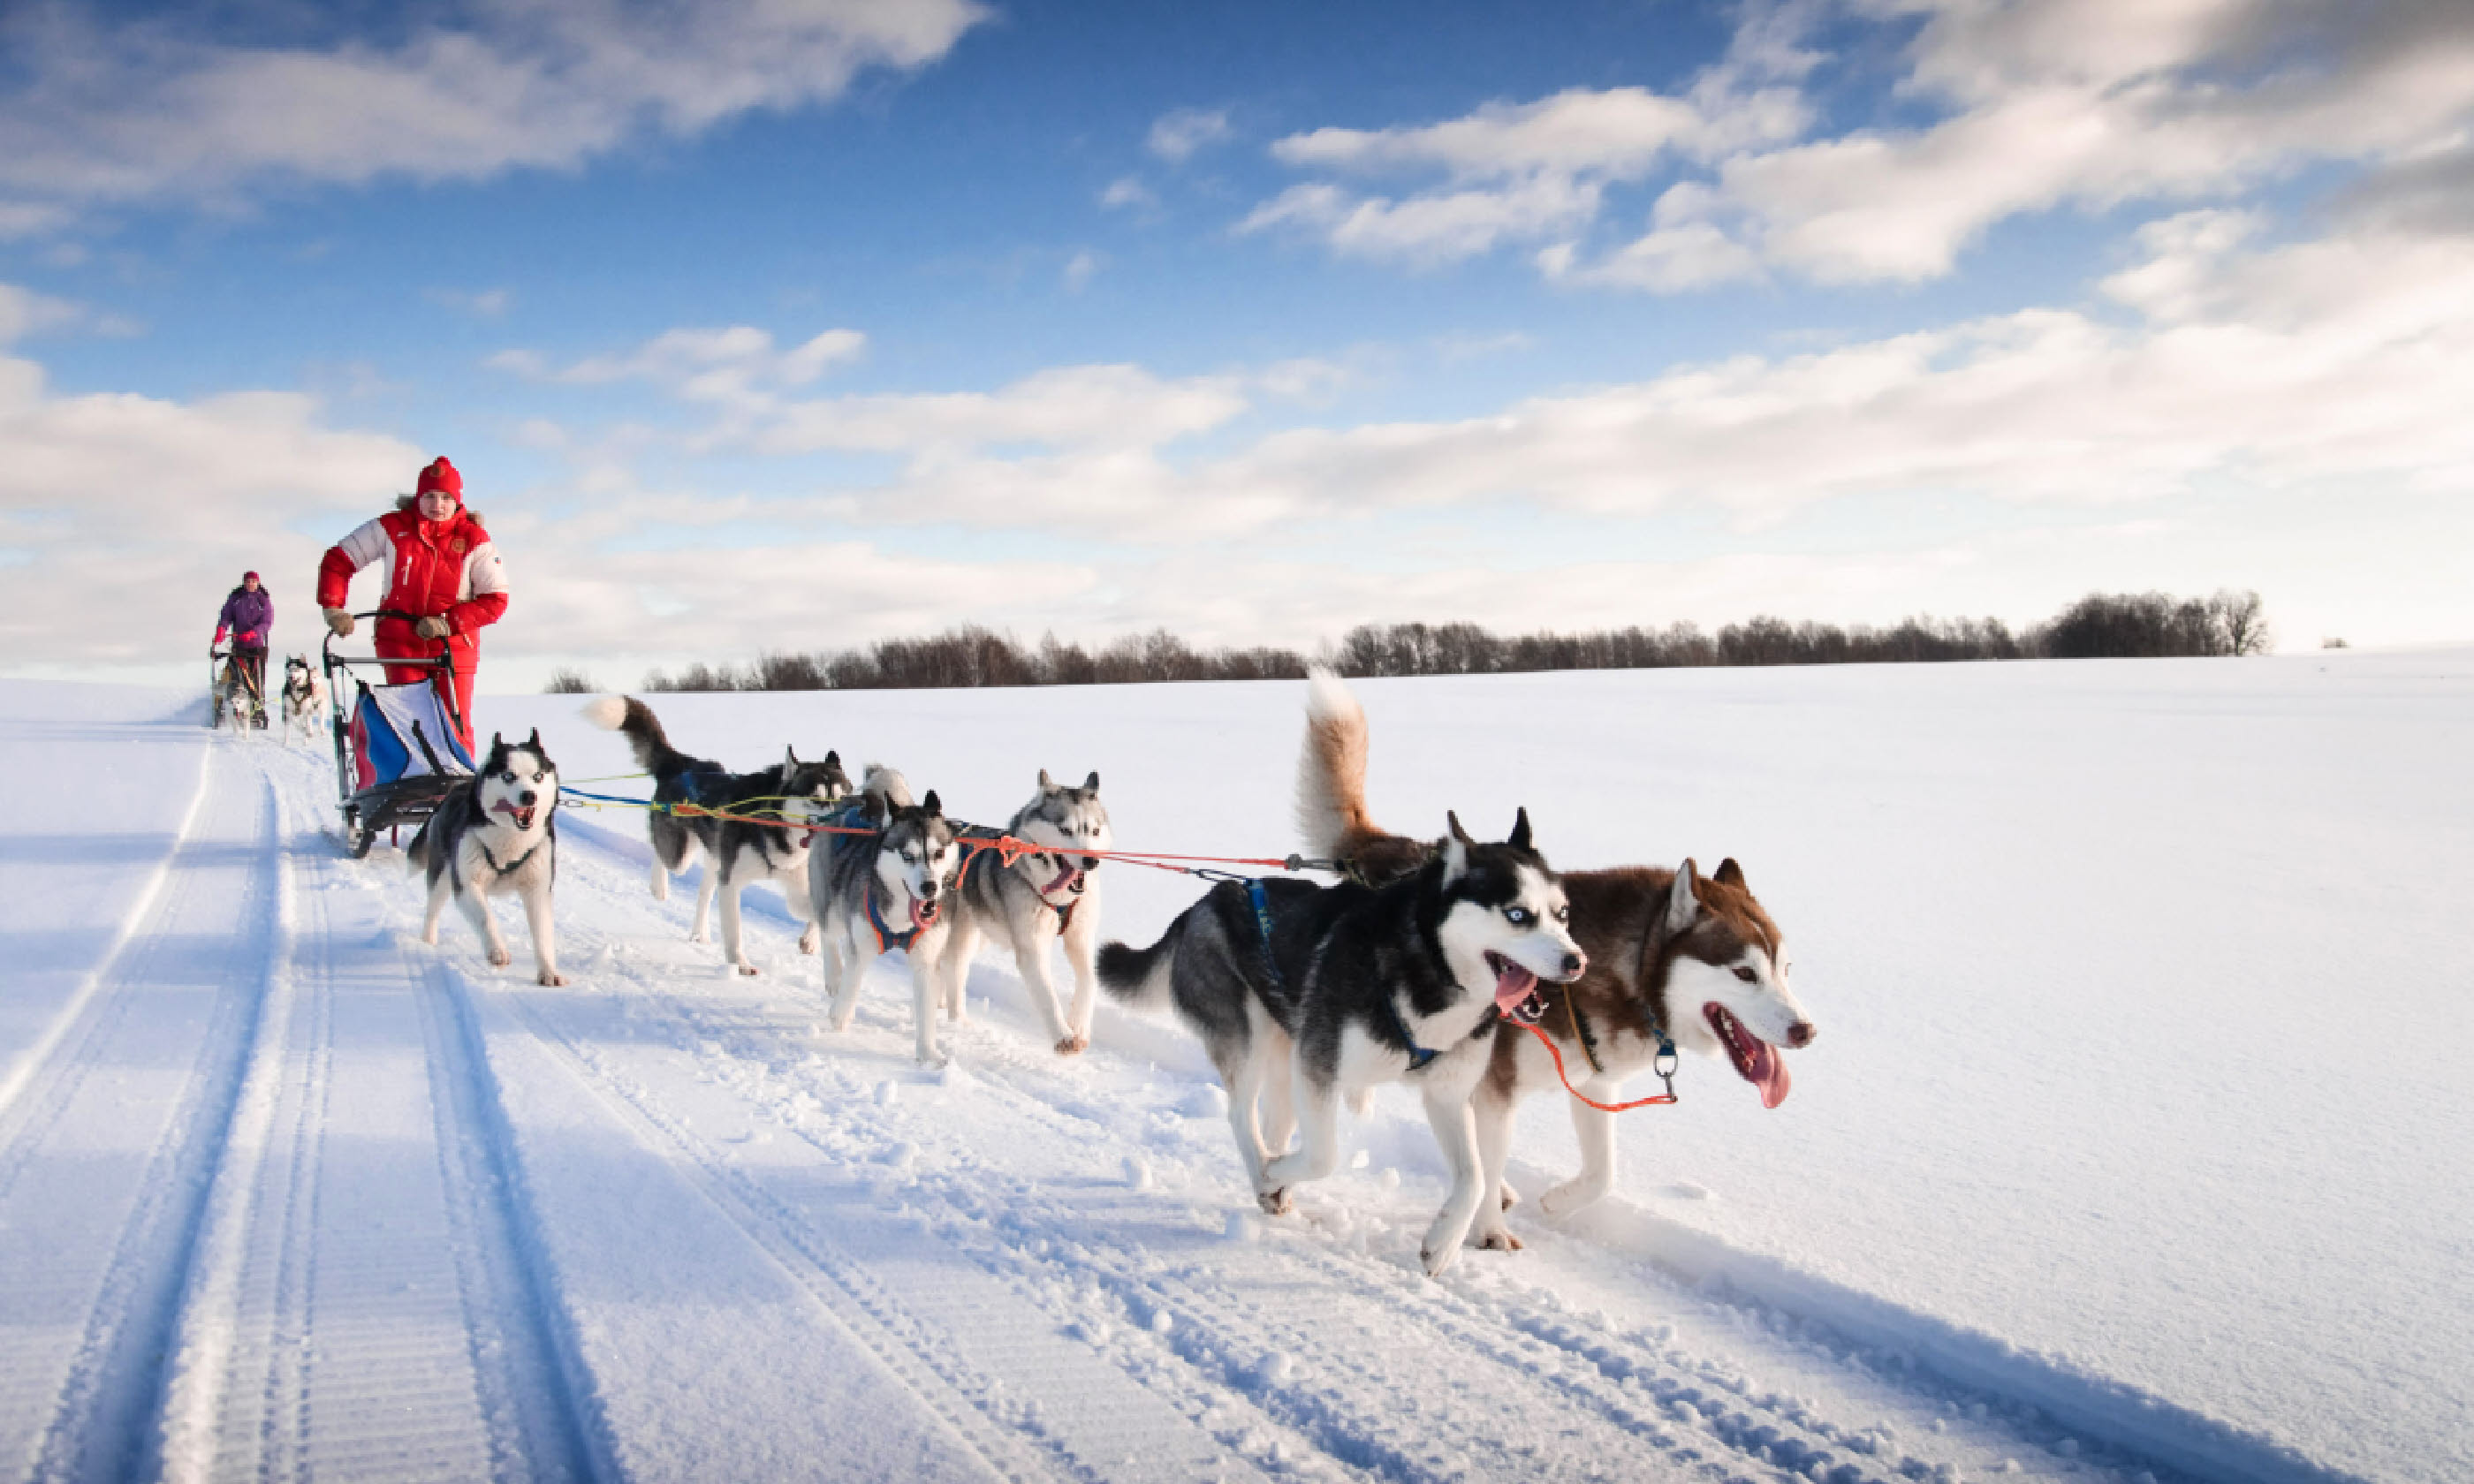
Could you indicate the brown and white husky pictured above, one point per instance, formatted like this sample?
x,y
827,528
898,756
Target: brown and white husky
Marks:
x,y
1671,953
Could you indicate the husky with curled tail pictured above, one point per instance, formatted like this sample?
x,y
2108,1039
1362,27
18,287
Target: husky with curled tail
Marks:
x,y
887,891
496,831
1048,896
1674,957
1307,996
742,851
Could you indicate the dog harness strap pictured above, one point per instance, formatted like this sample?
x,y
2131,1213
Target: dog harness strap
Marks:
x,y
517,864
1580,1034
1263,926
1418,1055
886,937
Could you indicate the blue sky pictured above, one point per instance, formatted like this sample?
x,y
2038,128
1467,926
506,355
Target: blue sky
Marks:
x,y
796,325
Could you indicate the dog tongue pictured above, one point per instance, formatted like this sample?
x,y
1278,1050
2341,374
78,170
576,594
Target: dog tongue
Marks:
x,y
922,912
1515,987
1769,1073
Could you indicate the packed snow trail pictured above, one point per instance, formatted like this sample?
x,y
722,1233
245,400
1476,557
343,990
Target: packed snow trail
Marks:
x,y
286,1193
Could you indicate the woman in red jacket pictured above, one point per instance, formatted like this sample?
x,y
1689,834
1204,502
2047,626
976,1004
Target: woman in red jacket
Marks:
x,y
444,573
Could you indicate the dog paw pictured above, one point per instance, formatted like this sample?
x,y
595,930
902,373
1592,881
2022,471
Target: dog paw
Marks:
x,y
1566,1198
1497,1240
1437,1262
1511,1197
699,938
750,969
1073,1045
430,937
551,978
1275,1203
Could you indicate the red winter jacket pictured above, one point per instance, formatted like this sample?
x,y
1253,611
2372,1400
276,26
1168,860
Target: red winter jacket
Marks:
x,y
435,566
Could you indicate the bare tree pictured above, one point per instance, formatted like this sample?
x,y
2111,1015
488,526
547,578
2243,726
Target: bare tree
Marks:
x,y
2244,618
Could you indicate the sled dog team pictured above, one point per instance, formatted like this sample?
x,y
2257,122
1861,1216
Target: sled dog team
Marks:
x,y
1428,965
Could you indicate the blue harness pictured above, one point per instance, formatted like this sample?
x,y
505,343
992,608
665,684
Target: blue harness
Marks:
x,y
885,937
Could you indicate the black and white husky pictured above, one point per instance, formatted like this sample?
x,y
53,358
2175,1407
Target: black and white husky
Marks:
x,y
1045,897
305,698
496,831
1677,959
886,892
1305,995
742,851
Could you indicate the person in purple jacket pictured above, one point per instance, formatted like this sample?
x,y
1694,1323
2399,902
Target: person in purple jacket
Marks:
x,y
249,618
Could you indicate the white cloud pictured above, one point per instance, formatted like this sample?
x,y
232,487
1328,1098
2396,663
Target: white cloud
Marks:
x,y
2042,103
161,505
129,112
482,304
24,312
736,365
2093,103
1077,407
1080,269
1538,171
1125,191
1177,135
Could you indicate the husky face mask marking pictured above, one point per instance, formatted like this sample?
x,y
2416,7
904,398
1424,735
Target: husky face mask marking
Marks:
x,y
1726,992
516,780
1507,913
916,859
1073,823
812,790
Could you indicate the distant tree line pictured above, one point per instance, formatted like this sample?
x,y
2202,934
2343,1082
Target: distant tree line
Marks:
x,y
2097,626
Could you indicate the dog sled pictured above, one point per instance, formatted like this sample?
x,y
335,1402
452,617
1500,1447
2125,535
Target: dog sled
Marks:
x,y
235,696
398,752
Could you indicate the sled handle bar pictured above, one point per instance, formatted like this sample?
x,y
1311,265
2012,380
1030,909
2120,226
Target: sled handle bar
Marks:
x,y
437,661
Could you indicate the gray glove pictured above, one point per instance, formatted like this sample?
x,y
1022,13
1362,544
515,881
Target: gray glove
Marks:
x,y
338,620
432,628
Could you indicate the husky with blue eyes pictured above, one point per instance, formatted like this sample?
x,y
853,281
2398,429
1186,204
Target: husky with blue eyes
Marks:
x,y
496,831
1677,960
883,892
1046,896
1306,997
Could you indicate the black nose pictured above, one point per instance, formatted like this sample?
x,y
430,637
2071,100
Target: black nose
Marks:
x,y
1090,863
1801,1033
528,798
1573,963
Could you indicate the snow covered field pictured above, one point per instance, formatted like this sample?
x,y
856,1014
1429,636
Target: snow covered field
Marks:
x,y
2134,1144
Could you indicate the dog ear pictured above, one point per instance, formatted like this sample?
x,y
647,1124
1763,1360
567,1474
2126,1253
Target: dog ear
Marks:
x,y
1729,873
534,742
790,759
1091,785
1456,846
498,743
833,759
933,804
1518,840
1046,784
1683,908
876,809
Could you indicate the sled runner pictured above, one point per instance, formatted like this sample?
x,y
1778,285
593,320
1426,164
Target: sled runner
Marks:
x,y
397,753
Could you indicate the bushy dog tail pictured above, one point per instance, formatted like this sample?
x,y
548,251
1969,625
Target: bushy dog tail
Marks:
x,y
643,732
1331,771
1141,976
888,784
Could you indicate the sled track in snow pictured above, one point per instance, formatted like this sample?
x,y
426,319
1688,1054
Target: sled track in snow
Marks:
x,y
249,1194
151,1055
1235,1336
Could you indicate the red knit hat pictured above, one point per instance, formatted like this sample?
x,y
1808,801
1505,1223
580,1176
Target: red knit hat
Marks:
x,y
441,475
